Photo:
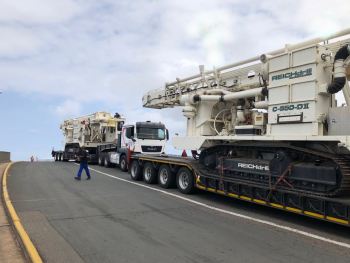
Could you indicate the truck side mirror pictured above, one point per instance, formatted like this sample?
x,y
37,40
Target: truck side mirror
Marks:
x,y
120,125
128,132
167,134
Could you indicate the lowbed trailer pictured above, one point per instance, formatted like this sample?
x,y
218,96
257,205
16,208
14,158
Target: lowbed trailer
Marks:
x,y
184,172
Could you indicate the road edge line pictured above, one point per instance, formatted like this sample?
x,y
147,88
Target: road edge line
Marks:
x,y
30,250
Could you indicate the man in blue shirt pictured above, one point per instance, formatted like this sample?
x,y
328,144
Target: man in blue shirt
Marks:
x,y
83,165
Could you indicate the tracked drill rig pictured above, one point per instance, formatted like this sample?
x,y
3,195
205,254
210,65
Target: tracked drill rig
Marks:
x,y
271,120
90,131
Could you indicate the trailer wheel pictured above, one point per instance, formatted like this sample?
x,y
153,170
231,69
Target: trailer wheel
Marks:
x,y
185,181
107,162
56,157
166,177
135,171
100,161
149,174
60,157
123,163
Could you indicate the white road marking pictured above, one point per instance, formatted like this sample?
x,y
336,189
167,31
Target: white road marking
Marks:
x,y
300,232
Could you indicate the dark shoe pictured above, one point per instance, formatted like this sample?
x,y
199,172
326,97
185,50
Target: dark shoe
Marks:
x,y
77,178
88,178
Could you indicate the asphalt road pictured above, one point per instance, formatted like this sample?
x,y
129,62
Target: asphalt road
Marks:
x,y
109,220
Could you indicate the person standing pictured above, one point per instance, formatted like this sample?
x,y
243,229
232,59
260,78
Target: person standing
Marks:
x,y
83,165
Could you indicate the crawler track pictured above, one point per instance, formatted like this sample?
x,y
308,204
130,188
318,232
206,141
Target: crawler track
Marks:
x,y
342,166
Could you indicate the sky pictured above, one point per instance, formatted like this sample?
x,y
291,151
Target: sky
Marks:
x,y
61,59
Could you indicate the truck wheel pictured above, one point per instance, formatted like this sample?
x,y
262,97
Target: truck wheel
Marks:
x,y
100,161
135,171
123,164
185,181
149,174
60,157
107,162
166,177
56,157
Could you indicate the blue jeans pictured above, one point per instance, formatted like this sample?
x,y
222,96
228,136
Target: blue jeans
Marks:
x,y
84,166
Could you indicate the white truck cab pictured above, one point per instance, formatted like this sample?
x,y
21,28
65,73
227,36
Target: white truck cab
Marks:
x,y
138,137
144,137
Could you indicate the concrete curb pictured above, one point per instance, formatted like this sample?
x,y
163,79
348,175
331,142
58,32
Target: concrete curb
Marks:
x,y
28,246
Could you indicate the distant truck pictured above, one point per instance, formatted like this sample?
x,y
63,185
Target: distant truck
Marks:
x,y
108,140
91,131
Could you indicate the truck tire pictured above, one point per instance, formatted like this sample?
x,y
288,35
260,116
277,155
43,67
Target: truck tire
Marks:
x,y
107,163
56,157
100,160
123,163
166,177
135,171
150,175
60,157
185,181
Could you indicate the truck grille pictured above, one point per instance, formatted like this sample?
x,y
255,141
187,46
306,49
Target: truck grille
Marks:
x,y
151,148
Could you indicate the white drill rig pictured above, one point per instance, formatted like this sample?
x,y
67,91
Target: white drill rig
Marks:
x,y
276,118
91,130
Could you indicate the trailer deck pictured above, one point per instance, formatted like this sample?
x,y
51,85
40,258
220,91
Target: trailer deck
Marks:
x,y
333,209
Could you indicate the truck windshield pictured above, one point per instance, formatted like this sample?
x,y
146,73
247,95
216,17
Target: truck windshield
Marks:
x,y
150,133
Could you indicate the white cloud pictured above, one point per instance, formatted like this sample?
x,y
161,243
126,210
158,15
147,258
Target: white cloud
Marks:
x,y
18,42
38,11
69,109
